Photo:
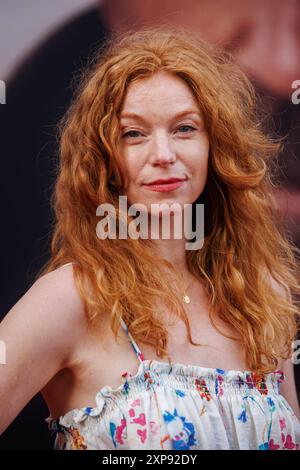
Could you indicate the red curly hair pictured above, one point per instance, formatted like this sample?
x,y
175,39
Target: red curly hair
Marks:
x,y
246,248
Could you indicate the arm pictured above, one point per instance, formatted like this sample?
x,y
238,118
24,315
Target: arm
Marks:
x,y
39,334
288,387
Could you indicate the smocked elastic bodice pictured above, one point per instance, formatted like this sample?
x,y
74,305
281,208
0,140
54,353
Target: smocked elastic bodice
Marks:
x,y
182,407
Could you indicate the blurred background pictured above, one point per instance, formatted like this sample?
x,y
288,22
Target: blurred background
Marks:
x,y
44,44
23,24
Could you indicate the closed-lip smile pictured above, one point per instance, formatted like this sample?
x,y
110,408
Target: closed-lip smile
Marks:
x,y
166,181
165,185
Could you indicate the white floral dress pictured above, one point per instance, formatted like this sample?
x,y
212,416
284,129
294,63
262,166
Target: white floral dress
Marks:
x,y
182,407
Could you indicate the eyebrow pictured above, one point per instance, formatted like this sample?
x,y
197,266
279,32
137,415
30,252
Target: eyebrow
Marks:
x,y
177,115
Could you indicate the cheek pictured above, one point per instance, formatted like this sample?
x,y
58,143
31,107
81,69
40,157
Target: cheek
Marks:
x,y
199,162
130,168
132,172
132,177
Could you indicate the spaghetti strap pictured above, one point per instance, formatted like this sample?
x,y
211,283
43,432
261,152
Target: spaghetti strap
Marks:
x,y
71,262
135,347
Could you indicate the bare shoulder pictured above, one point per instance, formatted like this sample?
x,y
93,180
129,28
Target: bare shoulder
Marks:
x,y
59,292
40,333
59,285
51,309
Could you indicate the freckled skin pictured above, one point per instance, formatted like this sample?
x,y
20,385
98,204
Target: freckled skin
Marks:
x,y
163,145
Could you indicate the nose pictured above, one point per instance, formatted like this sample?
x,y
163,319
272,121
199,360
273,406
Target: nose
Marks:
x,y
161,150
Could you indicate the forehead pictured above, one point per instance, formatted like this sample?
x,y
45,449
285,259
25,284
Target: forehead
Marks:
x,y
160,91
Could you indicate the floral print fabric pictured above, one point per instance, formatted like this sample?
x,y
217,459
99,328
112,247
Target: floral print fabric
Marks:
x,y
182,407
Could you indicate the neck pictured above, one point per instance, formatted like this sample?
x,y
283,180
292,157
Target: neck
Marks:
x,y
174,252
170,244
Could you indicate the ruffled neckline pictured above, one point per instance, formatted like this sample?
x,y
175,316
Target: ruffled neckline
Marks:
x,y
156,369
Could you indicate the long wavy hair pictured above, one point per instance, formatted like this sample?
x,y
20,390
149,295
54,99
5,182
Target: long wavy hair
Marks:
x,y
246,248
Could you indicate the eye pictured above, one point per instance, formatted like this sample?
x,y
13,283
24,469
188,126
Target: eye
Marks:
x,y
134,133
129,134
186,126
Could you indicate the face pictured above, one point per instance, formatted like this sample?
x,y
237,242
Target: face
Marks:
x,y
162,136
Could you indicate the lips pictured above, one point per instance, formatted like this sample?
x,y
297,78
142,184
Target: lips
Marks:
x,y
166,181
165,185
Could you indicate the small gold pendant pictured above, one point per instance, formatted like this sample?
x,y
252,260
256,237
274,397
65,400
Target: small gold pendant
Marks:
x,y
186,299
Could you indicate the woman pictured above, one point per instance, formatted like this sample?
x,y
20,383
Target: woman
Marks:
x,y
160,104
